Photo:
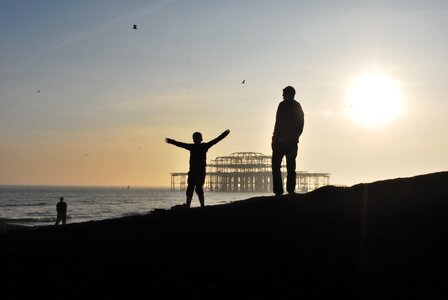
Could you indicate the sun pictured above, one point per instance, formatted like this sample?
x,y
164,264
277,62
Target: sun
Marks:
x,y
374,99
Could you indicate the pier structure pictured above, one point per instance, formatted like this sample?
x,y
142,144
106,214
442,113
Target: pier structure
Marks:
x,y
248,172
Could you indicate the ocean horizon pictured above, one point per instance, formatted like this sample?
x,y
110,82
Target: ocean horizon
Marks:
x,y
35,205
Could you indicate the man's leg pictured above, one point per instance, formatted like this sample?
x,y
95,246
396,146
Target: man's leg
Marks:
x,y
291,168
58,219
277,157
64,219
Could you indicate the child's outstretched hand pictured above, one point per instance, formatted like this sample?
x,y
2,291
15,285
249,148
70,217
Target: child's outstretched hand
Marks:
x,y
226,133
169,141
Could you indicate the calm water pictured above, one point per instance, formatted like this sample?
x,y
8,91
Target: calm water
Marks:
x,y
36,205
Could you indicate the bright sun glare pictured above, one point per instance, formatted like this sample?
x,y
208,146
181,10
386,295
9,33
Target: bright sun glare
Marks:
x,y
374,99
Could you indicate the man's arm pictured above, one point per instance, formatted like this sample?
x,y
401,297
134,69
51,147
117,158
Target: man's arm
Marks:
x,y
219,138
300,120
277,118
178,144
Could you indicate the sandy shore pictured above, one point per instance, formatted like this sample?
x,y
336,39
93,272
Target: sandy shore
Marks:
x,y
382,240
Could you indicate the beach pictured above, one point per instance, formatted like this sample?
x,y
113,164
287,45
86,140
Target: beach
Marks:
x,y
382,240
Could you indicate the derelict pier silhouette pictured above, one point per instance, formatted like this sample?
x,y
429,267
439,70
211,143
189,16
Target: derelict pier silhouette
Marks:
x,y
247,172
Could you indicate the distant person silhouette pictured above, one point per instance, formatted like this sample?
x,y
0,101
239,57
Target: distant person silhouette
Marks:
x,y
289,123
61,209
196,174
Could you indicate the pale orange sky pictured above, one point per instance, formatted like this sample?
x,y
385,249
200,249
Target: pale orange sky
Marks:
x,y
109,95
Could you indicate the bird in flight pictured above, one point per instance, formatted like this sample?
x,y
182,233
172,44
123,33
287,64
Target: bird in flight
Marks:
x,y
134,27
244,81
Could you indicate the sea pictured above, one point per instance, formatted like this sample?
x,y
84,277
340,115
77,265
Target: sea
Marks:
x,y
36,205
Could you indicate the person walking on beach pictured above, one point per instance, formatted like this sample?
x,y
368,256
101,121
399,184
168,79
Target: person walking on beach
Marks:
x,y
196,174
61,209
288,127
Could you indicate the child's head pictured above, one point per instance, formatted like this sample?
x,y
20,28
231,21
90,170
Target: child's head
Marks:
x,y
197,137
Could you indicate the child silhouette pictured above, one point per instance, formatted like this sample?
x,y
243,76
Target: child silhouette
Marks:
x,y
198,152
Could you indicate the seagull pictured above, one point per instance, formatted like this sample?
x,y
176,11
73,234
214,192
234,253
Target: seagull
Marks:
x,y
134,27
244,81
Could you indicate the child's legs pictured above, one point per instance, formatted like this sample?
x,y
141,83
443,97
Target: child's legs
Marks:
x,y
190,189
195,183
200,193
199,188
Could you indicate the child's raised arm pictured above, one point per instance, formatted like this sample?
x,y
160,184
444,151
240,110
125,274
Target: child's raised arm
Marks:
x,y
219,138
178,144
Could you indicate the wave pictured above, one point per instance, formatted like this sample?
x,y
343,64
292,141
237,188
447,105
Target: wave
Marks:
x,y
28,220
24,204
131,214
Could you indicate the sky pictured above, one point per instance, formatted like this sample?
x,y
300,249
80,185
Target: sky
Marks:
x,y
87,100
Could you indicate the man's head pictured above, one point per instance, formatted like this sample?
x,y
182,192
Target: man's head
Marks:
x,y
61,199
289,92
197,137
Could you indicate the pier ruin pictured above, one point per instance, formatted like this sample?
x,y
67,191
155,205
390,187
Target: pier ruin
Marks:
x,y
247,172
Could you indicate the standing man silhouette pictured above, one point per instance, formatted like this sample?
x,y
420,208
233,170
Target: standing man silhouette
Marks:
x,y
289,123
198,153
61,209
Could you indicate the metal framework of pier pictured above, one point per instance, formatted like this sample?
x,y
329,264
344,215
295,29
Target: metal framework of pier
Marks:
x,y
247,172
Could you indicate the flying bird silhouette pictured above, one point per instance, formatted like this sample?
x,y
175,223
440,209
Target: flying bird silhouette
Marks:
x,y
244,81
134,27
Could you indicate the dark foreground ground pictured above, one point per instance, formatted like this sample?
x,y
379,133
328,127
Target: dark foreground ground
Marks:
x,y
384,240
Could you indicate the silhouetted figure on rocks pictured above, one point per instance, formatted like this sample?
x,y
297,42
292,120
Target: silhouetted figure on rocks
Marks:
x,y
289,123
61,209
198,153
